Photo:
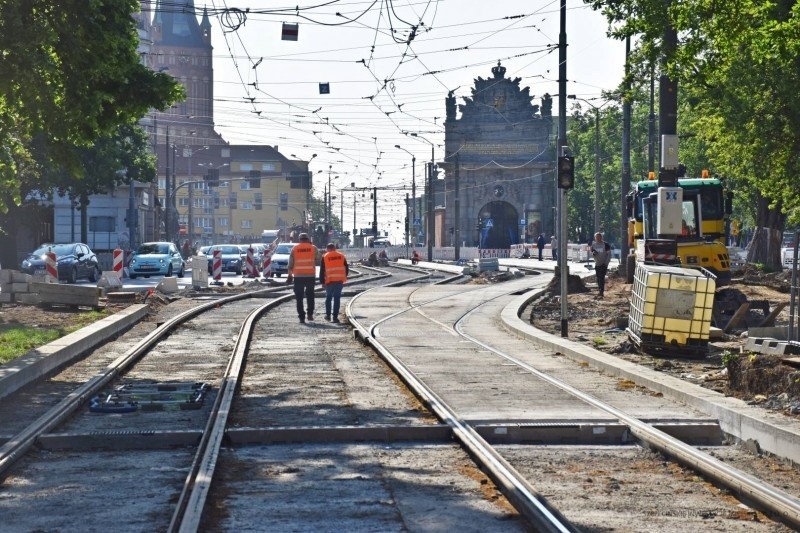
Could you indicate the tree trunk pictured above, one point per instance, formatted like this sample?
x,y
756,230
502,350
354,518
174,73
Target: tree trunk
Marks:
x,y
765,246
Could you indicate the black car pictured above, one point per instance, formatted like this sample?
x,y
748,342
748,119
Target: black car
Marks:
x,y
74,261
231,258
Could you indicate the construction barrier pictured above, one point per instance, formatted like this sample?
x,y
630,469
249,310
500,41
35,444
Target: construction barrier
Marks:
x,y
117,262
266,268
250,266
51,267
216,265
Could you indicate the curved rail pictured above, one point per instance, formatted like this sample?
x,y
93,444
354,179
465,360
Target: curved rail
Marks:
x,y
189,509
522,494
769,498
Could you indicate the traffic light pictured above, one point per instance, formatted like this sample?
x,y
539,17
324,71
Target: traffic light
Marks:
x,y
212,178
479,225
566,172
255,179
284,201
452,231
406,225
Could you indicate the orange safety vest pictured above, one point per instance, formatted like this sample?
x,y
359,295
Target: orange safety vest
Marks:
x,y
305,258
334,267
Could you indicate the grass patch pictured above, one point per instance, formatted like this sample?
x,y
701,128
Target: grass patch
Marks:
x,y
17,340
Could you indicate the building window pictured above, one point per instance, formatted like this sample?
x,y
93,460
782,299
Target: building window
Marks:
x,y
247,224
162,183
183,201
102,224
246,205
269,167
245,167
244,186
222,222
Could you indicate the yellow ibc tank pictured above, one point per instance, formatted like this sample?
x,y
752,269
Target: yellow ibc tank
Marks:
x,y
671,308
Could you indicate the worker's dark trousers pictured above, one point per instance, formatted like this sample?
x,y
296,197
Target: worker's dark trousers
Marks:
x,y
304,287
600,272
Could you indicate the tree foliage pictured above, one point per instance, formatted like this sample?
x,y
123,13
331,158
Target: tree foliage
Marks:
x,y
737,66
70,75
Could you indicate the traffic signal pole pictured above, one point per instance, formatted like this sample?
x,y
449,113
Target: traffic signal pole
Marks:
x,y
562,147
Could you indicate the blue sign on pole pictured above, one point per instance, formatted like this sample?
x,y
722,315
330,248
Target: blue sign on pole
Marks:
x,y
417,222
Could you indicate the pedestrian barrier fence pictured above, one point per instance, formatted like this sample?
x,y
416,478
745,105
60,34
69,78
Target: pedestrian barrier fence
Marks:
x,y
578,252
216,265
51,267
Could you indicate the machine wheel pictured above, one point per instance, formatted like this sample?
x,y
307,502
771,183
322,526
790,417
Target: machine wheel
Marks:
x,y
630,268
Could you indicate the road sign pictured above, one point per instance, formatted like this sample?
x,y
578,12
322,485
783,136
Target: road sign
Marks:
x,y
417,222
488,224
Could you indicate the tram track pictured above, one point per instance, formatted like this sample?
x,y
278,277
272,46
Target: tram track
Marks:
x,y
774,501
246,424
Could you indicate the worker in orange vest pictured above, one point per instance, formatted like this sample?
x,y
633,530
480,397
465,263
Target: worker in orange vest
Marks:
x,y
302,271
333,274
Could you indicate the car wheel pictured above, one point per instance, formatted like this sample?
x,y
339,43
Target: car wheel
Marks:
x,y
181,272
73,275
95,274
132,276
169,271
239,272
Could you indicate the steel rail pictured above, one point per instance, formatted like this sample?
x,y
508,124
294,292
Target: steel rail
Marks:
x,y
525,498
19,444
191,502
770,498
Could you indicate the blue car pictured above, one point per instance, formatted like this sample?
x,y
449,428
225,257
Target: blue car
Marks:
x,y
74,260
156,259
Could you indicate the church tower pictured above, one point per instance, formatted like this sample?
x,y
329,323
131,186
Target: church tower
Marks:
x,y
182,48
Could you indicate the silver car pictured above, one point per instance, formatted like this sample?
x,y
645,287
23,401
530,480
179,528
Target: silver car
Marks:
x,y
280,259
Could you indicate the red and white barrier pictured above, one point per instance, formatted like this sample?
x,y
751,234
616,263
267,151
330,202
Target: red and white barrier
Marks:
x,y
250,266
116,264
51,267
216,265
266,265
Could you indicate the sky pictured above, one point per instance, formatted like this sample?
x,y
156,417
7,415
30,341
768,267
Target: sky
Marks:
x,y
386,80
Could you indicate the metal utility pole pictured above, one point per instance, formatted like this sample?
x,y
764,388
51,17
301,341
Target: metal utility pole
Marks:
x,y
596,169
668,110
625,185
413,194
167,193
457,221
562,147
374,211
429,231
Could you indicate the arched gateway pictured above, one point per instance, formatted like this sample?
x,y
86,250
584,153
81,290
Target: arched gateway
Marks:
x,y
499,164
499,227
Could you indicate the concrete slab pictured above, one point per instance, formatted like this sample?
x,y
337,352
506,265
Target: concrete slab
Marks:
x,y
48,358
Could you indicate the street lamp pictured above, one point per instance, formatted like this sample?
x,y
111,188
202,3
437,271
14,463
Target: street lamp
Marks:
x,y
596,157
413,194
429,231
190,215
210,166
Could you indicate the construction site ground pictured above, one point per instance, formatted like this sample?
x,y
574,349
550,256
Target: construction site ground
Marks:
x,y
767,380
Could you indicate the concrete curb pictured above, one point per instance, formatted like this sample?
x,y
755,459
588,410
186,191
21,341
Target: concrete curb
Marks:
x,y
774,433
45,359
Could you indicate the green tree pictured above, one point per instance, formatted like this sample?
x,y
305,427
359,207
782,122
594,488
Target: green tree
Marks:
x,y
70,75
737,65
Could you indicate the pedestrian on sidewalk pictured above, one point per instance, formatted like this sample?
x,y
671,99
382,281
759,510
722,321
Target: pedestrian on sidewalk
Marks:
x,y
540,245
333,274
554,247
302,271
601,251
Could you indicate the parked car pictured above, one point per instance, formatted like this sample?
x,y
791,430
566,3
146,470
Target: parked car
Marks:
x,y
231,258
156,258
74,261
280,259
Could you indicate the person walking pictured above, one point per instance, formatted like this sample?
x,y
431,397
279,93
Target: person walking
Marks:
x,y
333,274
554,247
601,251
540,245
302,271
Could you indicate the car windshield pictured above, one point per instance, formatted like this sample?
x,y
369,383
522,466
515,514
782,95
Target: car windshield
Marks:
x,y
58,249
283,249
227,250
153,248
